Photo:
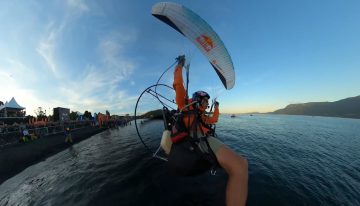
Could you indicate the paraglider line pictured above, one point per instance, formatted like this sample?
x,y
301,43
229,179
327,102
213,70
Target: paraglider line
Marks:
x,y
157,83
155,94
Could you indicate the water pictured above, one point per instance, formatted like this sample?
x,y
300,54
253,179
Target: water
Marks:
x,y
293,160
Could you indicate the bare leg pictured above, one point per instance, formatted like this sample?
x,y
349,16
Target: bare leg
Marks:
x,y
237,169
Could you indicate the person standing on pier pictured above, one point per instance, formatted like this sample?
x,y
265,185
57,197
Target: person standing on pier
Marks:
x,y
68,137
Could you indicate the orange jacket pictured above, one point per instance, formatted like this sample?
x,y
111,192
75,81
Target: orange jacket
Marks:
x,y
180,93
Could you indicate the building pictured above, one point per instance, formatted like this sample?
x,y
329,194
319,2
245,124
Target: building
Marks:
x,y
61,114
12,109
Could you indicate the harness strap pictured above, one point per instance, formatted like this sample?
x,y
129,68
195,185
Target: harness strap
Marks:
x,y
215,162
179,137
206,126
210,156
182,132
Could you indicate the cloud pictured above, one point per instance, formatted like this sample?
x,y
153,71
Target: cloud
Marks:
x,y
20,72
48,45
115,68
54,32
112,49
46,51
78,5
215,91
97,85
26,97
255,80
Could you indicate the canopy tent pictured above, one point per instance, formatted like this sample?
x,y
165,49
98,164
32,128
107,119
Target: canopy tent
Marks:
x,y
11,109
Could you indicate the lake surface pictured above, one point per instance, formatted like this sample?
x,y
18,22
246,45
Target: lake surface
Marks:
x,y
293,160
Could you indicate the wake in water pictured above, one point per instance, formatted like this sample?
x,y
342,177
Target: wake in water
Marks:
x,y
293,160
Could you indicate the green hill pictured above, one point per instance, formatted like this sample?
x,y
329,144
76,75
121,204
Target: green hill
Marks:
x,y
155,114
349,108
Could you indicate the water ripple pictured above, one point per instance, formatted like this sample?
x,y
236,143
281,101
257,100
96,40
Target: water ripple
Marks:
x,y
293,160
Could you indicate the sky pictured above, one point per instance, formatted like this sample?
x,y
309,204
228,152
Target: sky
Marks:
x,y
100,55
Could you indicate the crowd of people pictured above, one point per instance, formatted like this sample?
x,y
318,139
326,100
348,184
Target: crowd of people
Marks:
x,y
28,132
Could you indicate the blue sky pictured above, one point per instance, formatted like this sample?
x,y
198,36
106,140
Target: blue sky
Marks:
x,y
100,55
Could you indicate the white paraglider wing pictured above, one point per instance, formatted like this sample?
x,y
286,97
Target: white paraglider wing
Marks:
x,y
201,34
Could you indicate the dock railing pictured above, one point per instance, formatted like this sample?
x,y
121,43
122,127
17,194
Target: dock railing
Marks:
x,y
11,134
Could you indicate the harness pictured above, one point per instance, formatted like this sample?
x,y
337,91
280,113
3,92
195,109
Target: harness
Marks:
x,y
186,158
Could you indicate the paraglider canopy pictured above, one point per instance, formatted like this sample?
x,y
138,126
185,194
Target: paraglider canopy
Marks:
x,y
201,34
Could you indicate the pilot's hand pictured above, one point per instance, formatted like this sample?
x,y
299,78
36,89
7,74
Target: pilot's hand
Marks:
x,y
181,60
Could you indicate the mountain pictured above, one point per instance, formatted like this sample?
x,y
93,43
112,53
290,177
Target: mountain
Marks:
x,y
155,114
348,108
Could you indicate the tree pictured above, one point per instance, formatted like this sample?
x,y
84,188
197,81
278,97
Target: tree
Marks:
x,y
87,115
40,114
51,118
1,103
73,115
29,117
107,113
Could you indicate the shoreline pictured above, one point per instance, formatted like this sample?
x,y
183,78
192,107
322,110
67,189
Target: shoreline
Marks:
x,y
17,157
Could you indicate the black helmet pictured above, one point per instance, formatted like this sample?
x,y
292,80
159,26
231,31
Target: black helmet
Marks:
x,y
199,95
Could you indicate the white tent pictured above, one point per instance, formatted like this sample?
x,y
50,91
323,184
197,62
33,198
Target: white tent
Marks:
x,y
12,105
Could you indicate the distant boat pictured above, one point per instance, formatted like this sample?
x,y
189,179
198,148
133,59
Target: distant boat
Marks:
x,y
233,115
